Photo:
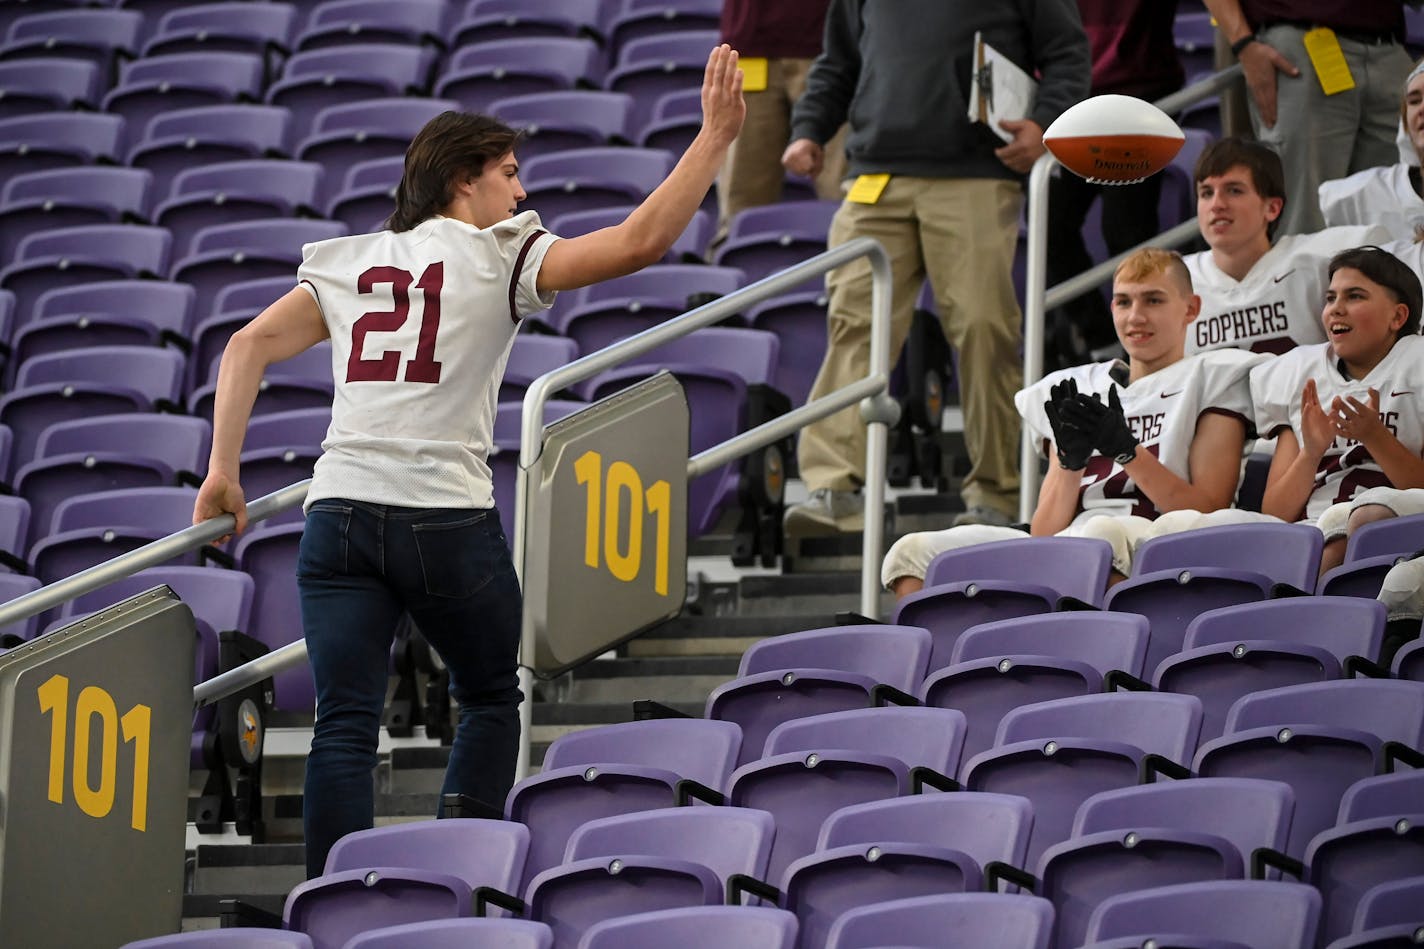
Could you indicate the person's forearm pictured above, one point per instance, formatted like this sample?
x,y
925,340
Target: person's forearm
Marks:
x,y
1403,468
1287,496
1166,490
239,376
1230,20
1057,501
659,221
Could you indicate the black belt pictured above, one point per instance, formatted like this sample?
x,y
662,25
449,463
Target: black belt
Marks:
x,y
1368,37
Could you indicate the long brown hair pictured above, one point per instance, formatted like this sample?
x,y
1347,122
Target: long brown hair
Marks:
x,y
451,146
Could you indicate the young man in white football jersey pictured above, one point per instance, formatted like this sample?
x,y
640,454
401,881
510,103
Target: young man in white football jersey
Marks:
x,y
400,515
1257,293
1347,413
1166,437
1391,196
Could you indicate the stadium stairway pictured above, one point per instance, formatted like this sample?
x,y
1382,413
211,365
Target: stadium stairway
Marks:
x,y
678,663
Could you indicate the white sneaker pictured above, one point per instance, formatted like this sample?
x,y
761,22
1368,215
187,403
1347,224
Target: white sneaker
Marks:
x,y
824,513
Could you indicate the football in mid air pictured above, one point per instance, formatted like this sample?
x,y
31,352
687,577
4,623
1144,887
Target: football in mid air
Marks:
x,y
1114,140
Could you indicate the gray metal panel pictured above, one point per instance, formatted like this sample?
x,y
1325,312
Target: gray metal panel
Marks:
x,y
590,584
103,864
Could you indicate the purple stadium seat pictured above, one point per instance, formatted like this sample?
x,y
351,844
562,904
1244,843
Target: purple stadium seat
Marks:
x,y
603,313
573,118
269,554
652,66
583,179
97,36
696,927
280,449
1262,914
138,450
637,21
303,381
1158,835
341,22
1346,861
1360,578
675,120
252,938
368,194
228,192
1394,903
224,27
816,671
458,934
1318,738
763,240
248,250
405,873
235,304
816,765
799,321
14,528
478,75
640,863
70,197
91,528
1382,795
156,84
47,140
504,459
106,313
530,357
617,769
83,383
1059,753
318,78
487,21
984,583
1409,661
1395,535
186,138
71,255
349,133
996,667
688,248
14,585
949,921
1231,651
31,86
986,827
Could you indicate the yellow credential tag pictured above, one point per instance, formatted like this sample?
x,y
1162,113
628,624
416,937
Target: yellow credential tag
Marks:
x,y
753,73
1329,61
867,189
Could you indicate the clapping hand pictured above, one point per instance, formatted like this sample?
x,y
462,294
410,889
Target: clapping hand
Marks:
x,y
1317,430
1105,425
1356,420
1073,445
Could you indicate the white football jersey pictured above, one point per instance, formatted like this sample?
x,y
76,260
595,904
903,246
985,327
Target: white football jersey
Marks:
x,y
1277,306
421,326
1382,196
1346,468
1161,410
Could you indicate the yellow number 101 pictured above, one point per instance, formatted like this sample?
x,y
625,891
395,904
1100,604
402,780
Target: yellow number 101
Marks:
x,y
605,507
95,702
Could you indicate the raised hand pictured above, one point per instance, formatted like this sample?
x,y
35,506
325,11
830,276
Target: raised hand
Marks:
x,y
723,108
1316,429
1073,445
1105,424
1355,419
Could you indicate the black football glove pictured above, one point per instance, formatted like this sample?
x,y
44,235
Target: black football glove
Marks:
x,y
1105,425
1073,444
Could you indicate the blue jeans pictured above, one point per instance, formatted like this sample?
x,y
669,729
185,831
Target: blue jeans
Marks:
x,y
361,565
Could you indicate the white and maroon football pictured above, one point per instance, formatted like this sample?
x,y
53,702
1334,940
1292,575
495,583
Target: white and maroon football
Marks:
x,y
1114,140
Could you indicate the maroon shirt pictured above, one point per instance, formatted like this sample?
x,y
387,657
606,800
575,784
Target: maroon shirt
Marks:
x,y
1133,50
776,29
1357,16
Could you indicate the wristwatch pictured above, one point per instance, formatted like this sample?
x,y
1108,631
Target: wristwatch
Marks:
x,y
1242,43
1126,456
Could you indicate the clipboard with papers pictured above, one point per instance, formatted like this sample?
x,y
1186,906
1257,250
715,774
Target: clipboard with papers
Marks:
x,y
998,89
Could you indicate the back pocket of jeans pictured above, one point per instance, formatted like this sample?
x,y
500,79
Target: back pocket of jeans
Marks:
x,y
455,557
322,553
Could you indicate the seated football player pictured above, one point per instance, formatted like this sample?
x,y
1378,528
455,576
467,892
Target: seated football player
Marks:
x,y
1258,292
1347,413
1122,449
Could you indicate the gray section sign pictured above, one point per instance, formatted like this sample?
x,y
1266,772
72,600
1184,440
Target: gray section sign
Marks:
x,y
95,724
606,544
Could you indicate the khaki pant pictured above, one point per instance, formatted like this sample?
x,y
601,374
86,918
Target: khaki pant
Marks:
x,y
752,174
961,234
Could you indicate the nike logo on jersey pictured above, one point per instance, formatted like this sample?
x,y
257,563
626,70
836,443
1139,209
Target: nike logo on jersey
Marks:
x,y
1168,395
1283,276
1395,395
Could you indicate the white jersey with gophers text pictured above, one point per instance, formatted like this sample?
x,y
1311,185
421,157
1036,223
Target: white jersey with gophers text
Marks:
x,y
1161,411
1277,305
1346,468
421,325
1382,196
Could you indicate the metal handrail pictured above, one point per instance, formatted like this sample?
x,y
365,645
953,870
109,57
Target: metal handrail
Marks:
x,y
1037,300
878,410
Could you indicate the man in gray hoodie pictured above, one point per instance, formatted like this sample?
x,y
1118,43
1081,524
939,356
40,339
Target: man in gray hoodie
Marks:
x,y
944,196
